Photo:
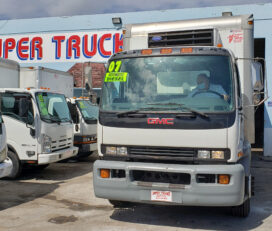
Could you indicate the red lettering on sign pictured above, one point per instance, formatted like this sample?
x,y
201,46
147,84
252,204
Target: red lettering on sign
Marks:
x,y
9,45
22,48
73,44
117,43
58,40
36,45
86,52
102,51
164,121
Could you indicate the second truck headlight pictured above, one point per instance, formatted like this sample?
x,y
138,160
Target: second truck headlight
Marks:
x,y
112,150
46,145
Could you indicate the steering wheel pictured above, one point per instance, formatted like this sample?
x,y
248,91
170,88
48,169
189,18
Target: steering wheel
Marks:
x,y
12,115
208,91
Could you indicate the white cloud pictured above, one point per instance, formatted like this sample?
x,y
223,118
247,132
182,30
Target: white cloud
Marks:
x,y
45,8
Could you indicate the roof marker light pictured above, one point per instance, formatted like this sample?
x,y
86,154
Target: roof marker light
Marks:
x,y
146,52
166,50
186,50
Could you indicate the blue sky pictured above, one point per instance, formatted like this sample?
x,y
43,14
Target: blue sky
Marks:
x,y
16,9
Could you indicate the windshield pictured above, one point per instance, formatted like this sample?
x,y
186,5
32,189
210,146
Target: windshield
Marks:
x,y
53,107
80,92
87,110
202,83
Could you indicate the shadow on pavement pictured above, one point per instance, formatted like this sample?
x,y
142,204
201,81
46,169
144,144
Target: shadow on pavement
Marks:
x,y
15,193
208,218
60,171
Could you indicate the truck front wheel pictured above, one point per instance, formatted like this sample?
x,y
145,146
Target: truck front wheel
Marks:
x,y
242,210
16,165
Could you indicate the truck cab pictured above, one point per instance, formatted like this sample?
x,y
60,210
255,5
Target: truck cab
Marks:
x,y
84,115
39,127
176,116
5,163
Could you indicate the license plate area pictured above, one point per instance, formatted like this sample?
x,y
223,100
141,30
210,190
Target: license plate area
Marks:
x,y
165,196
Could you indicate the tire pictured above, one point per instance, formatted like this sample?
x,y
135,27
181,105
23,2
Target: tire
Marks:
x,y
16,165
120,204
242,210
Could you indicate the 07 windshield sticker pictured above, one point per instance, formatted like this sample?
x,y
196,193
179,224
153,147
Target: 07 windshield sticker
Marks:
x,y
115,66
116,77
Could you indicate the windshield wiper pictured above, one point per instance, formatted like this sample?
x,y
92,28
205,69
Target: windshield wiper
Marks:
x,y
125,113
181,106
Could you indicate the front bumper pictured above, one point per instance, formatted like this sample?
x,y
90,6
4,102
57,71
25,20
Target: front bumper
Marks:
x,y
57,156
5,168
194,194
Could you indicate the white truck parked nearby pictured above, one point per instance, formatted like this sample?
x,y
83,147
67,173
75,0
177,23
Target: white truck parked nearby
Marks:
x,y
84,113
38,123
5,162
176,116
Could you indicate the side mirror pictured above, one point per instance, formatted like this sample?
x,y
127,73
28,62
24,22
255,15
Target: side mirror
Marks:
x,y
257,76
87,87
257,81
73,112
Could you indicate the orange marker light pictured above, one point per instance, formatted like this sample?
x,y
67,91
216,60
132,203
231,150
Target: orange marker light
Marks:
x,y
186,50
166,50
223,179
146,52
250,22
219,45
240,154
105,173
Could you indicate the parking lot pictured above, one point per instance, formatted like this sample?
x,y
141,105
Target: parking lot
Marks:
x,y
61,197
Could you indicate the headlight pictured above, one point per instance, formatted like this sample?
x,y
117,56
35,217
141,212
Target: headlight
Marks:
x,y
215,154
121,151
3,154
203,154
218,155
111,150
46,145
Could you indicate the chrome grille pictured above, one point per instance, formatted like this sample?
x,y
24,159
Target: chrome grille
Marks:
x,y
181,38
61,144
161,152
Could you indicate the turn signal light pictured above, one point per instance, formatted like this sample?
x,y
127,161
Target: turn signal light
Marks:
x,y
105,173
223,179
240,154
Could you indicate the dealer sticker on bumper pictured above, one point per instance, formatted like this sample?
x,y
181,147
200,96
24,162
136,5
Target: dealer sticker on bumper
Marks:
x,y
161,196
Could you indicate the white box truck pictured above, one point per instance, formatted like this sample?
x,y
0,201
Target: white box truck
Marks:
x,y
176,115
84,113
38,123
5,162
